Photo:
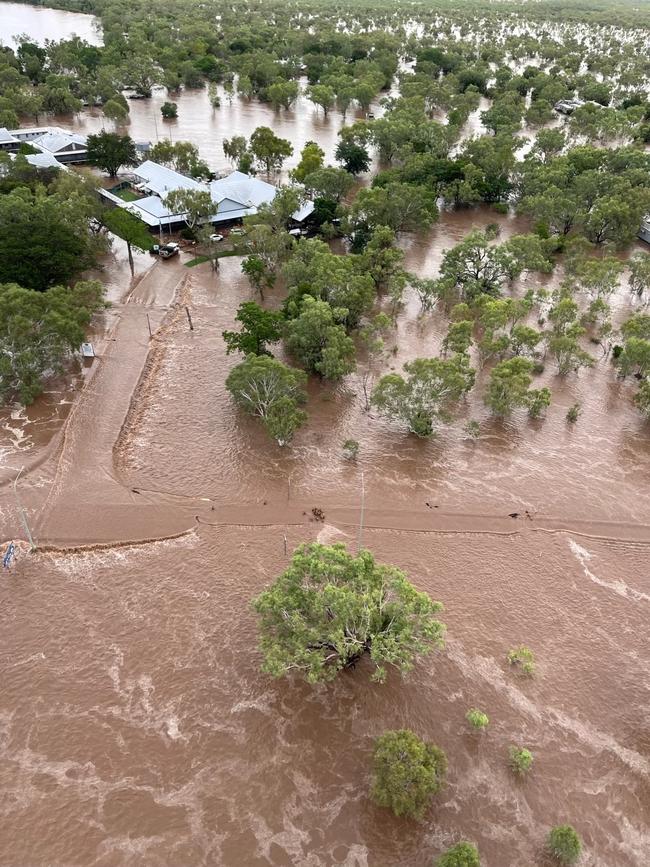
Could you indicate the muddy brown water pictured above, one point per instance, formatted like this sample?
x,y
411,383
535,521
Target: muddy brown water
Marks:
x,y
135,725
17,19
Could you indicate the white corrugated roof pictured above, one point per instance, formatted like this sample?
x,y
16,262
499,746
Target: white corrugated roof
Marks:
x,y
5,135
161,180
43,161
240,194
251,192
55,140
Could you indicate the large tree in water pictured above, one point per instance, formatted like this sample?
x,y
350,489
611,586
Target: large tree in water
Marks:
x,y
330,608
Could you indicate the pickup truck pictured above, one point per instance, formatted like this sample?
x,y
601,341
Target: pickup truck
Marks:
x,y
165,251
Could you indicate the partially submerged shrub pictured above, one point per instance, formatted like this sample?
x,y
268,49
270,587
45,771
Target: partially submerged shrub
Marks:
x,y
477,718
461,855
407,772
564,844
350,450
524,658
521,760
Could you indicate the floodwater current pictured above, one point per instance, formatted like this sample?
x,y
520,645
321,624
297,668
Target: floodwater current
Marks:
x,y
135,725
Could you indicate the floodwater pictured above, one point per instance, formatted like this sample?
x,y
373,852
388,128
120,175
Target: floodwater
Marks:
x,y
136,727
199,122
40,24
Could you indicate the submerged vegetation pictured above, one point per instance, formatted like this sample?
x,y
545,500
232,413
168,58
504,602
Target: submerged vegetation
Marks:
x,y
581,181
407,84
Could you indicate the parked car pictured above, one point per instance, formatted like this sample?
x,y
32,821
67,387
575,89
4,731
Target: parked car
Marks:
x,y
238,231
214,238
166,251
295,233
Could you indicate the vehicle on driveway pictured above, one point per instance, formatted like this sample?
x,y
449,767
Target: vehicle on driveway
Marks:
x,y
166,251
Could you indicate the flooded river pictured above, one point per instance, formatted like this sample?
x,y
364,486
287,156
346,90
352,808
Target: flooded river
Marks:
x,y
135,726
40,24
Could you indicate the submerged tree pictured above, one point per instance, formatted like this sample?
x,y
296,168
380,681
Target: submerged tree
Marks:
x,y
268,389
475,266
311,160
268,149
509,388
426,394
39,331
461,855
354,157
330,608
259,328
564,844
319,342
407,773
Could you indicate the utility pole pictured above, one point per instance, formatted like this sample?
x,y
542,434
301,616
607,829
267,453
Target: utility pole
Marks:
x,y
21,511
149,324
189,318
361,513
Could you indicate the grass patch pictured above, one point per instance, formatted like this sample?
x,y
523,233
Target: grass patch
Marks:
x,y
127,195
199,260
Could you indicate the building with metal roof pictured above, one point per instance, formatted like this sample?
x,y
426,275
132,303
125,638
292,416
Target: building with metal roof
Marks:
x,y
236,196
65,146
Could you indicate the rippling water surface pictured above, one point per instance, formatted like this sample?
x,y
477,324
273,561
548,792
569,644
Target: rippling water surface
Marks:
x,y
135,726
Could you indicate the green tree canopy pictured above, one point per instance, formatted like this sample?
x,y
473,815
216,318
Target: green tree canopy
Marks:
x,y
110,151
183,156
39,331
318,341
268,389
407,773
282,94
476,266
509,388
401,207
268,149
425,396
311,160
42,240
461,855
323,95
129,228
564,844
195,205
354,157
328,183
259,328
342,281
330,608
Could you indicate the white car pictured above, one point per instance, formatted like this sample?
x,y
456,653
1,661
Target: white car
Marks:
x,y
215,238
295,233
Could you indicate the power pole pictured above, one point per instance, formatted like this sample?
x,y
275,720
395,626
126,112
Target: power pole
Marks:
x,y
21,512
361,513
